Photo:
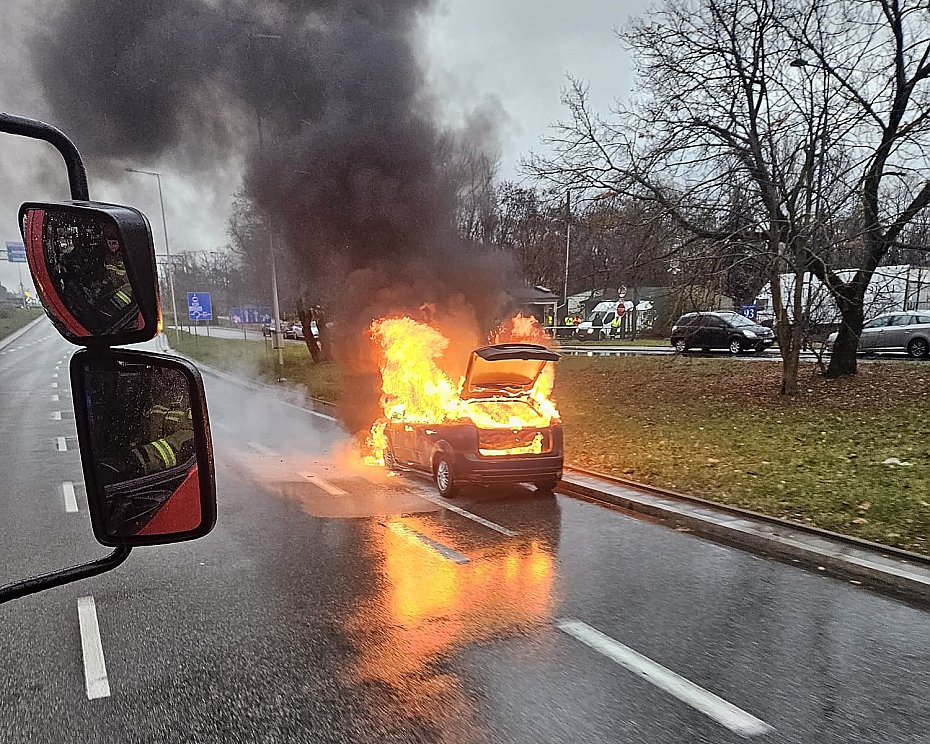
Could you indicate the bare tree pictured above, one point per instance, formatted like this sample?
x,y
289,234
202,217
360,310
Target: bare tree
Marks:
x,y
727,98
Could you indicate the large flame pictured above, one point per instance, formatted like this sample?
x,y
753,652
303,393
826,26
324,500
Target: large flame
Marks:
x,y
414,389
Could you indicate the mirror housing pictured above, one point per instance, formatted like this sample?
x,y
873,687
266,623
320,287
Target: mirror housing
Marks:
x,y
93,265
145,445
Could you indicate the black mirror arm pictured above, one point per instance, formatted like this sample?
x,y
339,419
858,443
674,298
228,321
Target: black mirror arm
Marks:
x,y
21,588
77,176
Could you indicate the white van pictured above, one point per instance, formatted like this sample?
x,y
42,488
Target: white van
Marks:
x,y
597,326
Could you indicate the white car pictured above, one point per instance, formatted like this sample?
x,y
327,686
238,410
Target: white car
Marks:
x,y
908,332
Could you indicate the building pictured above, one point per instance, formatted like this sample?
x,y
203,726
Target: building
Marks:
x,y
891,288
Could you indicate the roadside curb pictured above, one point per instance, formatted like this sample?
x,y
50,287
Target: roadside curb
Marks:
x,y
889,570
7,340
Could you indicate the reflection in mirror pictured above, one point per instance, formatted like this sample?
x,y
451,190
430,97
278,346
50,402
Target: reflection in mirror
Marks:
x,y
143,445
78,262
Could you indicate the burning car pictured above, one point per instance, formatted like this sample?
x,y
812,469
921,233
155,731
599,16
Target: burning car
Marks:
x,y
499,427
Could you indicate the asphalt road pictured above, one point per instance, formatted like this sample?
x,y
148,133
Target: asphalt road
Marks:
x,y
337,604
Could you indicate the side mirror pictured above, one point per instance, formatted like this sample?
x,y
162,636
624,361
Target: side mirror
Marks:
x,y
145,446
93,265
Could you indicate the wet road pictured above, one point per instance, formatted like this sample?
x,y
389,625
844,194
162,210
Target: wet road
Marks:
x,y
336,604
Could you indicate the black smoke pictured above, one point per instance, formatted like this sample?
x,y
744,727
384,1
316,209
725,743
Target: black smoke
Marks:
x,y
325,104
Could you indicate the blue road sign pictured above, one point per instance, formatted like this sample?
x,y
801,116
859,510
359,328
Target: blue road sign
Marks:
x,y
750,311
15,253
199,306
249,314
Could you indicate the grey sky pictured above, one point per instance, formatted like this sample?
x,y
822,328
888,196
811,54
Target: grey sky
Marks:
x,y
512,55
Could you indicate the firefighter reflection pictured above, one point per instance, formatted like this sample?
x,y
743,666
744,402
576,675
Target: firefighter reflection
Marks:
x,y
86,265
148,463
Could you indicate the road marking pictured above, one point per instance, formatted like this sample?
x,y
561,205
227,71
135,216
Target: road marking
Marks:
x,y
55,398
55,376
95,668
56,415
725,713
262,449
444,550
67,488
468,515
325,485
54,384
62,445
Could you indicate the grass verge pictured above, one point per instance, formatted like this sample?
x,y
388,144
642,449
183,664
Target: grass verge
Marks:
x,y
12,320
718,429
257,360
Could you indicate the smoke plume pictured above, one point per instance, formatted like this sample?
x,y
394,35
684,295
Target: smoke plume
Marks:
x,y
324,102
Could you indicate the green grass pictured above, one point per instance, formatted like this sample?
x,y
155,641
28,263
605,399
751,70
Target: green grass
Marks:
x,y
718,429
258,361
12,320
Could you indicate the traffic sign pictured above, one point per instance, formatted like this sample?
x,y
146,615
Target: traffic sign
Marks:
x,y
199,306
239,315
15,252
749,311
621,309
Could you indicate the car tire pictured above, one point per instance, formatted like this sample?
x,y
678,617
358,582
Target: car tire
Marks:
x,y
918,348
547,486
444,477
735,347
389,462
680,346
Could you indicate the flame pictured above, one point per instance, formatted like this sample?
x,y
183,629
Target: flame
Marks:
x,y
414,389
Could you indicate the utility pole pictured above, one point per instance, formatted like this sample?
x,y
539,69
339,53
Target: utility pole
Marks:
x,y
164,225
278,336
568,247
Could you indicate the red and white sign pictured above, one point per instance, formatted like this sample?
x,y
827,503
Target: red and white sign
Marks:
x,y
621,309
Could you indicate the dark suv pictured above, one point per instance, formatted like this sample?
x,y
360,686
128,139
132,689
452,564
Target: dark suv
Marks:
x,y
720,330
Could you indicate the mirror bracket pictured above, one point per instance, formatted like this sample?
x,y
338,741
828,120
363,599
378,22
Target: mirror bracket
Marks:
x,y
77,176
21,588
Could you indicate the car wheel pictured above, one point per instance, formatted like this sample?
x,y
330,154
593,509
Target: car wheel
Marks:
x,y
680,346
444,477
389,462
918,348
547,486
736,346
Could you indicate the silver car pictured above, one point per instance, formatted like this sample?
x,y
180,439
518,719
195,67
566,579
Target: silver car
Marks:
x,y
908,332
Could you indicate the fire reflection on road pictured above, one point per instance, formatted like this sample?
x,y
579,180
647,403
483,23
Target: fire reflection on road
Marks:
x,y
429,607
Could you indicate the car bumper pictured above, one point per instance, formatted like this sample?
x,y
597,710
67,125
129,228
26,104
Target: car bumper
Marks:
x,y
474,468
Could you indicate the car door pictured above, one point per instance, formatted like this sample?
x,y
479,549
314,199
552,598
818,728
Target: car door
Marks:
x,y
717,332
402,439
871,337
897,333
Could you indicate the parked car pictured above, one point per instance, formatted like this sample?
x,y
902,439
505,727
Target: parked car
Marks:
x,y
908,332
720,330
459,452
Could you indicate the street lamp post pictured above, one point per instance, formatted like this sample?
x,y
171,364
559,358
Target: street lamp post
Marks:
x,y
568,247
164,224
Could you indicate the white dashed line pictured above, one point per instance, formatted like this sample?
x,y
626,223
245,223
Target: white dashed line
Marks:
x,y
67,490
723,712
324,485
54,384
55,376
261,448
55,398
468,515
95,668
56,415
62,445
444,550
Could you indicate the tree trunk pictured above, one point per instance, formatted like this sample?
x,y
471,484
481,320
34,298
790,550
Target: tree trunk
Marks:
x,y
305,313
843,360
790,367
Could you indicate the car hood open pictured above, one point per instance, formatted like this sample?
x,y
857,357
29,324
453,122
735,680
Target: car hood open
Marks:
x,y
505,369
